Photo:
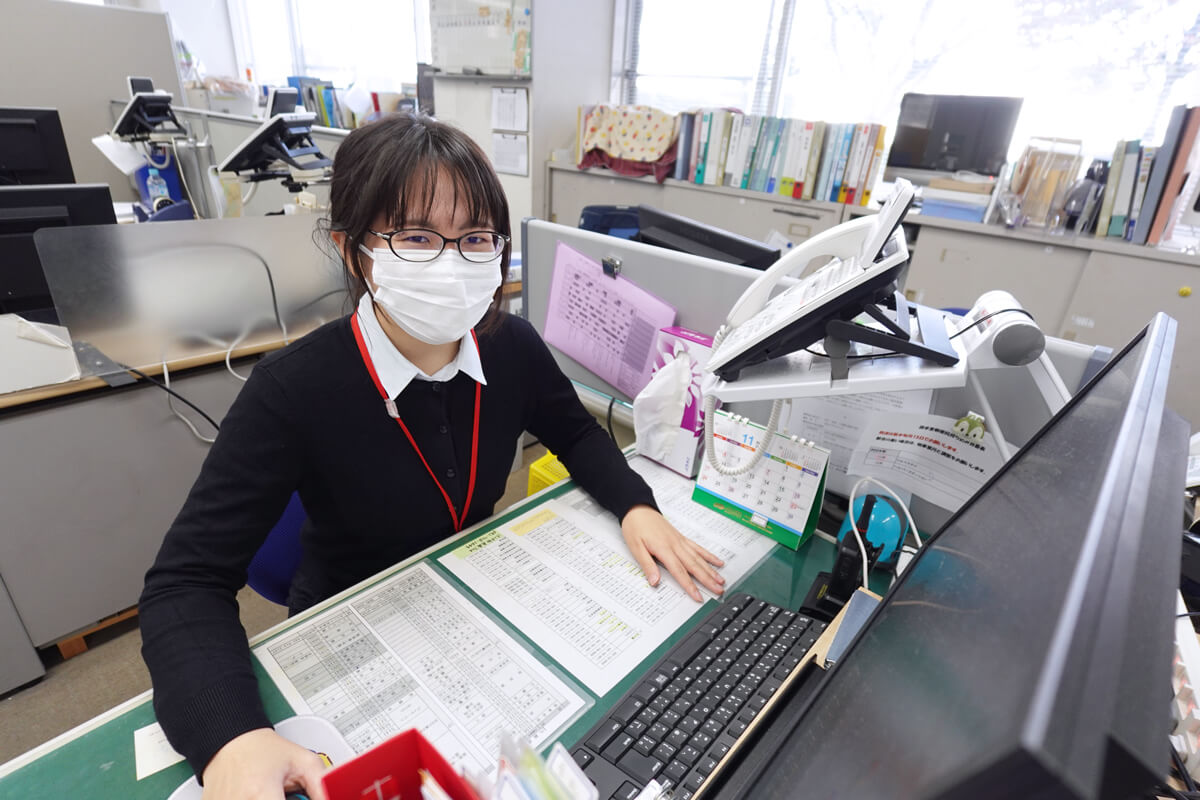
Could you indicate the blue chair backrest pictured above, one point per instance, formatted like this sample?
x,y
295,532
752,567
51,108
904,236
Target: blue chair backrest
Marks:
x,y
270,572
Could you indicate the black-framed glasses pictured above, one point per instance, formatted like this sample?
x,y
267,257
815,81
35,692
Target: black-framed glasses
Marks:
x,y
422,244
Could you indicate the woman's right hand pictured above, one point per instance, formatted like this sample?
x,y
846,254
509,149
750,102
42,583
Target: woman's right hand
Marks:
x,y
261,765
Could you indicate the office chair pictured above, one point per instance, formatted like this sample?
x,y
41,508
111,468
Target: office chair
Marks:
x,y
270,572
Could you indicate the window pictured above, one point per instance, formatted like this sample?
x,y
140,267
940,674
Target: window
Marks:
x,y
1096,70
372,43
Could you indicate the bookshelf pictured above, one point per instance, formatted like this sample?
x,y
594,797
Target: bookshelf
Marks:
x,y
1093,290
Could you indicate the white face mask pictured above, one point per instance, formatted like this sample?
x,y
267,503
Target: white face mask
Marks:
x,y
435,301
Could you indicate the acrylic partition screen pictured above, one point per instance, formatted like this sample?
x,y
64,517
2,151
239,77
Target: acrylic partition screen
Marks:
x,y
147,293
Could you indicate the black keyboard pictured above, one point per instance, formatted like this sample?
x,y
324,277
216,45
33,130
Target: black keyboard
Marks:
x,y
691,707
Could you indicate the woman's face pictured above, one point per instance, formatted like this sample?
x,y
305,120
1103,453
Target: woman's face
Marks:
x,y
444,218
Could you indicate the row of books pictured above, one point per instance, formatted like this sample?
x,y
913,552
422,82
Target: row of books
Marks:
x,y
333,111
802,159
1145,193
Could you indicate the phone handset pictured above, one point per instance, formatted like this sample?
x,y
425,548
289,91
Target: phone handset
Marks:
x,y
841,241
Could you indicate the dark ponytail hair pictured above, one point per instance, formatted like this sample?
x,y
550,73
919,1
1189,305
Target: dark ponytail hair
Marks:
x,y
391,167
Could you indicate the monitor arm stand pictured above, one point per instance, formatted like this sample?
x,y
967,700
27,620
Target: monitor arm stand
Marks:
x,y
934,345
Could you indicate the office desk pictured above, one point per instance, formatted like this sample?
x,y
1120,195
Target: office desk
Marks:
x,y
97,758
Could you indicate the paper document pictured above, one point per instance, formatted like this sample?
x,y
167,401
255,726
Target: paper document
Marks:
x,y
414,653
564,577
607,324
510,109
837,422
151,751
510,153
921,453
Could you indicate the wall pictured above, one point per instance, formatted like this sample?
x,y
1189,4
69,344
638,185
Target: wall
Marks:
x,y
75,57
204,25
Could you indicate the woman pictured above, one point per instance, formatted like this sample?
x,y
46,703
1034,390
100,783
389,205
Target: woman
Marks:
x,y
396,426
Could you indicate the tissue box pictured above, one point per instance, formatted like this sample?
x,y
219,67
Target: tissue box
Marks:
x,y
684,455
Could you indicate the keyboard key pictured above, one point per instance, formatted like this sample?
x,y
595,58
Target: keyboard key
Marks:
x,y
647,716
700,740
688,755
602,735
643,768
693,781
659,704
718,750
665,752
646,691
689,724
689,648
706,765
712,728
629,708
627,792
582,757
682,706
677,738
736,728
670,718
781,674
769,687
645,745
617,746
635,728
658,732
675,771
721,716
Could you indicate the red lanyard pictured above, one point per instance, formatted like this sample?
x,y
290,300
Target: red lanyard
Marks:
x,y
391,407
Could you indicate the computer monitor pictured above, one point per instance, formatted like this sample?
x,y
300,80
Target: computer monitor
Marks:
x,y
282,100
1027,650
26,209
33,149
283,138
938,135
138,85
674,232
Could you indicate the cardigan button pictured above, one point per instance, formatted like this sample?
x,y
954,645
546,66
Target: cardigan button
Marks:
x,y
437,387
450,473
443,429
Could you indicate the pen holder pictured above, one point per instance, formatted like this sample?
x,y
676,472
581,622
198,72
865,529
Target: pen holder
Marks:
x,y
392,769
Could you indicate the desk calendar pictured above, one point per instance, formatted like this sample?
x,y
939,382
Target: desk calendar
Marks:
x,y
780,497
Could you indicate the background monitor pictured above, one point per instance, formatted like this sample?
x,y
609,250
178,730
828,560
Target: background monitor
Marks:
x,y
690,236
33,149
26,209
942,134
282,100
1027,650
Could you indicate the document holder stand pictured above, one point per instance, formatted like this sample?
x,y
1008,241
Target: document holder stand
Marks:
x,y
934,345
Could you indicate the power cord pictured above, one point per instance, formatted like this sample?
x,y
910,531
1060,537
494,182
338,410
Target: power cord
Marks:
x,y
171,405
608,418
176,395
986,317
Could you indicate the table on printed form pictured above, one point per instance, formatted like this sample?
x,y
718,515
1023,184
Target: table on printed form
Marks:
x,y
534,621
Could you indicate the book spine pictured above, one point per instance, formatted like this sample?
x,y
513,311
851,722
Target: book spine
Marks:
x,y
1120,210
683,151
1158,174
755,139
876,165
702,156
839,166
712,158
855,165
1145,159
731,154
775,176
718,177
833,139
814,160
1175,179
694,156
766,150
805,158
1110,191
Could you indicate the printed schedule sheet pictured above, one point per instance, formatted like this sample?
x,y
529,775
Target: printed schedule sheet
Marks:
x,y
412,652
563,576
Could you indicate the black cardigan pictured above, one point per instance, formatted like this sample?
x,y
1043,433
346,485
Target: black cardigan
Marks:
x,y
310,420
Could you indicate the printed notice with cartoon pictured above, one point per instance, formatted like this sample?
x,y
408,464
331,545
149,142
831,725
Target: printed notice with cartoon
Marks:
x,y
606,323
924,455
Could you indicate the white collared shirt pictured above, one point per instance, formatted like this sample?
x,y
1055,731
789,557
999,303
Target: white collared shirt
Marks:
x,y
394,370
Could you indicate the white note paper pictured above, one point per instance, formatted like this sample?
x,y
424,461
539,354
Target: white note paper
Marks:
x,y
414,653
151,751
562,574
921,453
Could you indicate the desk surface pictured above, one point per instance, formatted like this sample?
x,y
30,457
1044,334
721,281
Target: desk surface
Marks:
x,y
97,758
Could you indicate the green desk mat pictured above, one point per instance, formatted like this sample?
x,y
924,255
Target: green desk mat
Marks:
x,y
100,763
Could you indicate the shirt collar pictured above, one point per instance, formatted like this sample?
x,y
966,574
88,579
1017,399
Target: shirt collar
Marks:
x,y
394,370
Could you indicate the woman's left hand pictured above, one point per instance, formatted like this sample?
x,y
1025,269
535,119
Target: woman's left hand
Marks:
x,y
651,537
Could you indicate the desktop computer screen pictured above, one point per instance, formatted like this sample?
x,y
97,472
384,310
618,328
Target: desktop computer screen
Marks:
x,y
26,209
689,236
942,134
33,149
1026,651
